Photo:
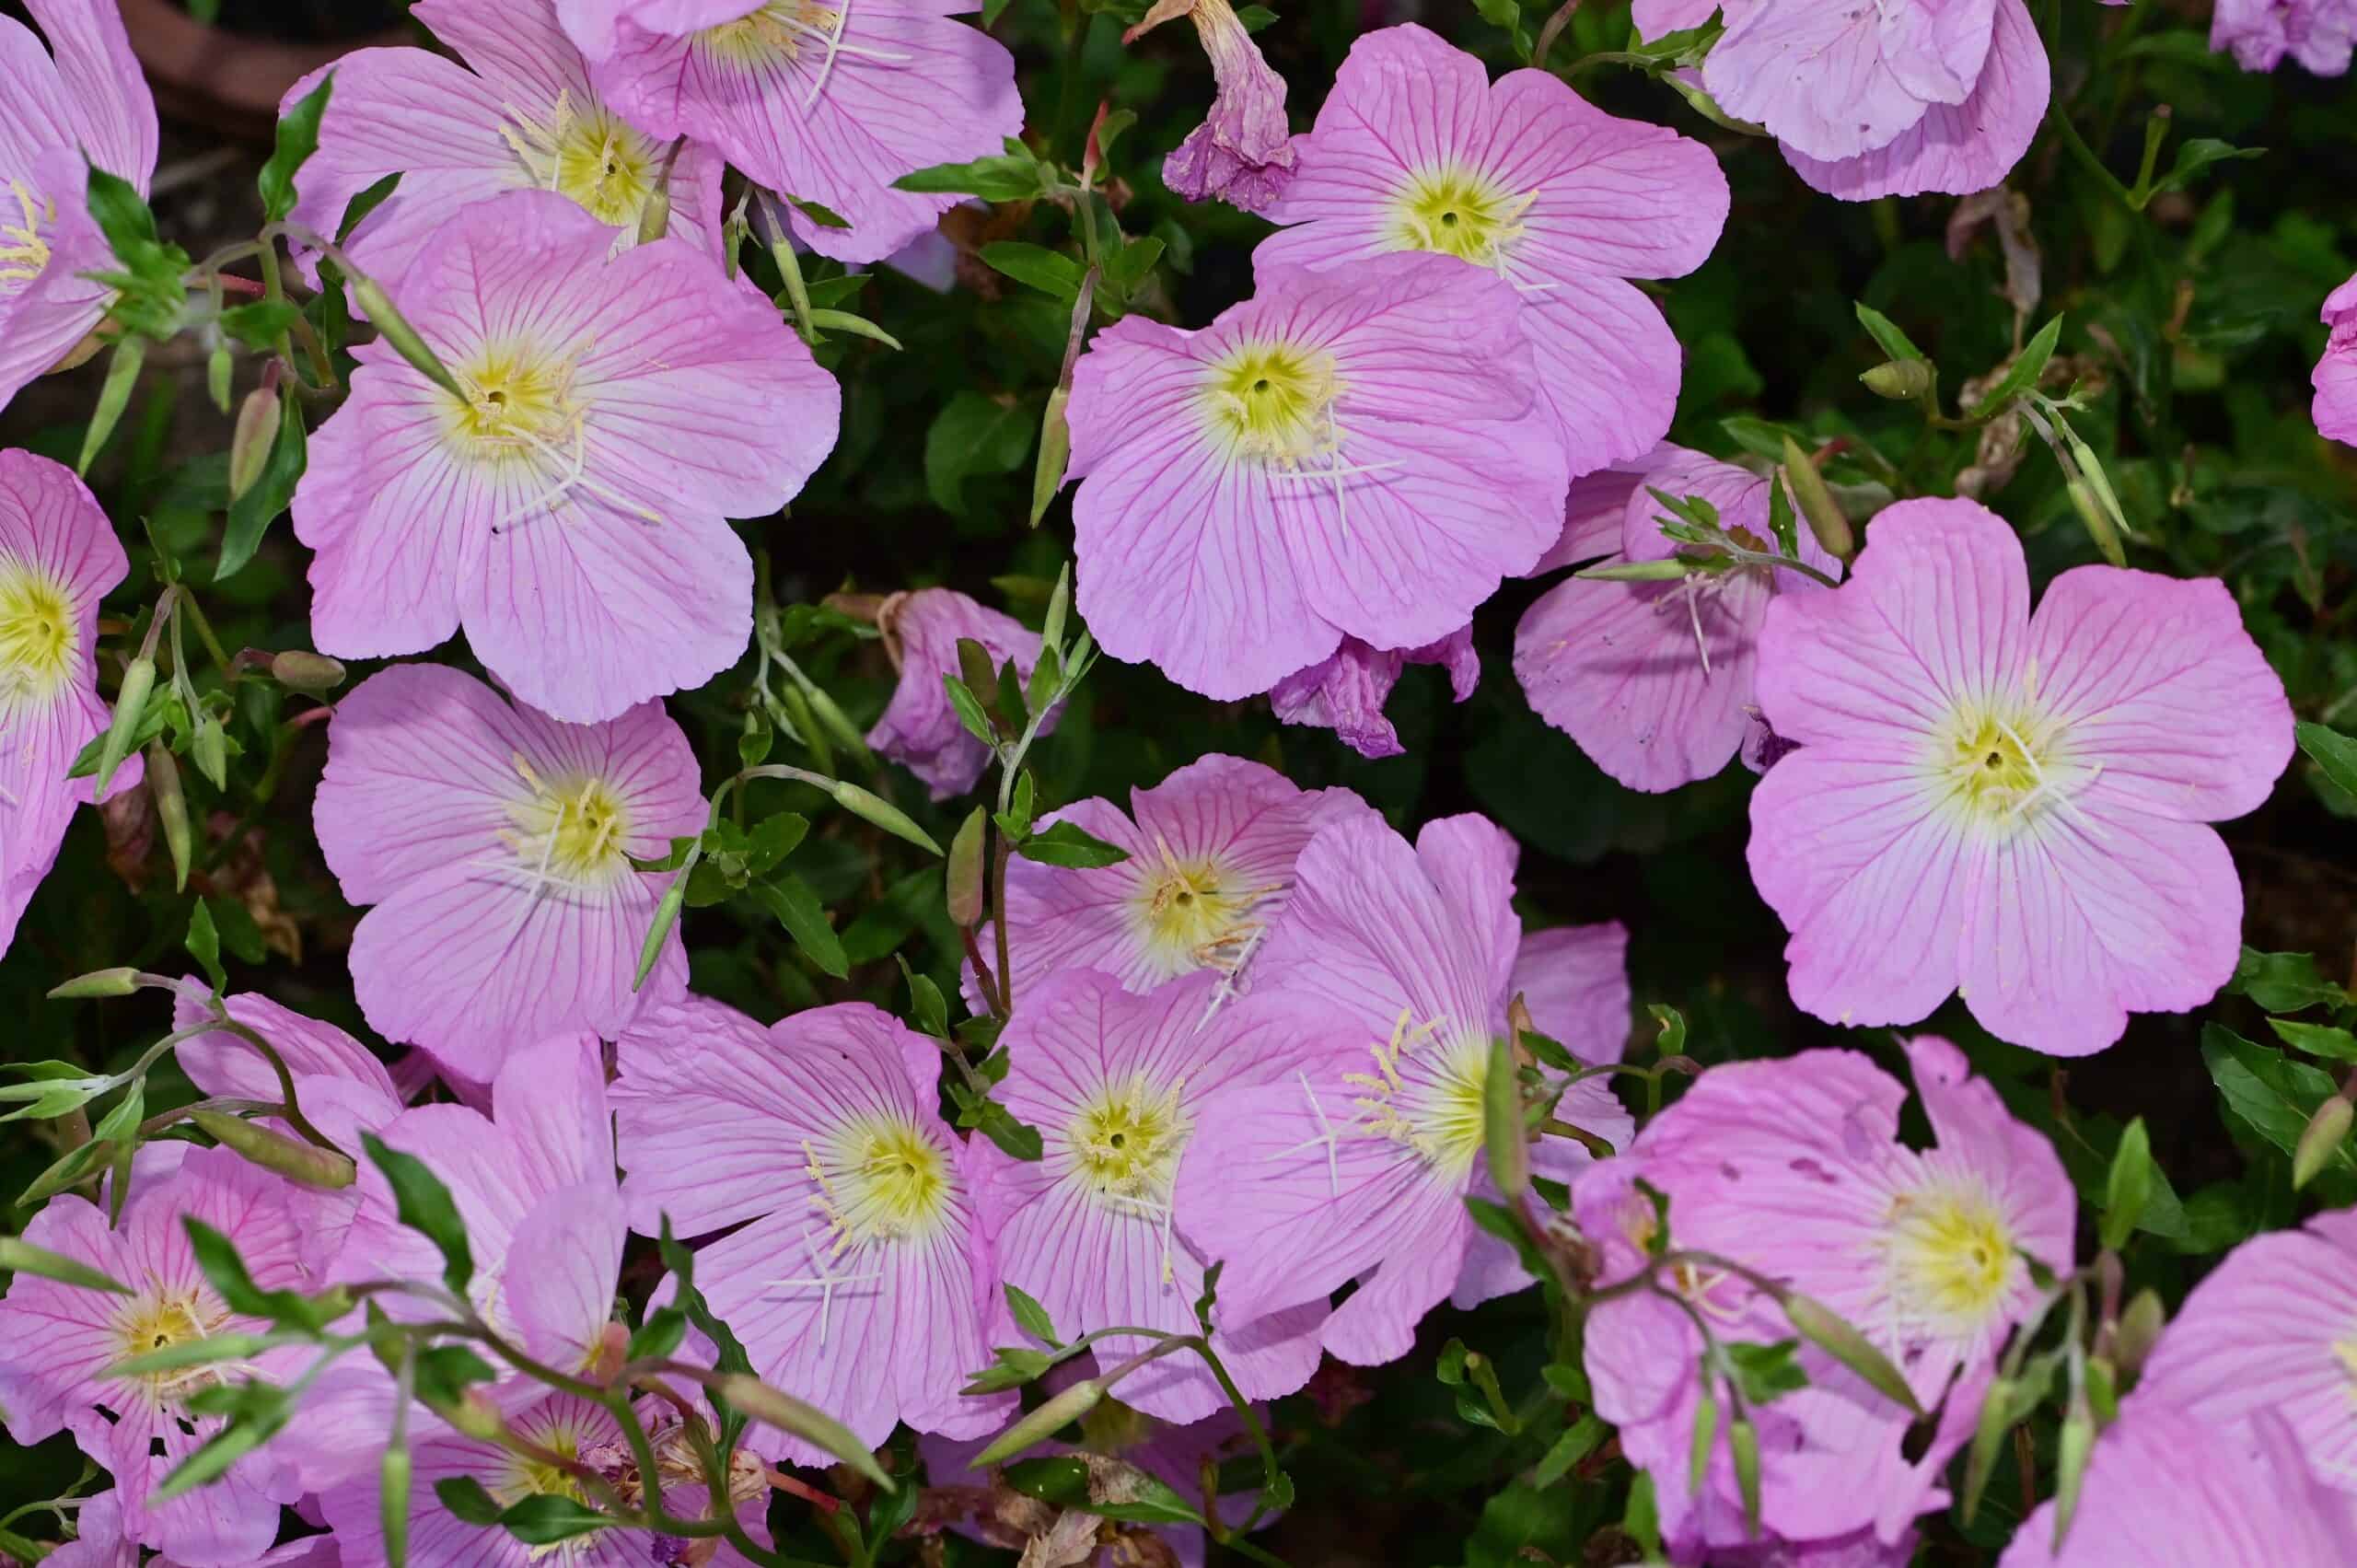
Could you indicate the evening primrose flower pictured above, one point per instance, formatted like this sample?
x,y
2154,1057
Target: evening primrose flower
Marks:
x,y
1211,861
862,1280
920,730
2335,377
2318,34
1795,1168
1417,150
1358,452
81,101
58,1341
1357,1166
495,844
1346,693
99,1542
568,505
1116,1083
519,114
59,557
826,102
1243,152
2008,805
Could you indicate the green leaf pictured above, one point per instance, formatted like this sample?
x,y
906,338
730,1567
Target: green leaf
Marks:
x,y
298,139
2272,1094
1574,1446
2128,1187
974,434
661,1334
1766,1372
728,1351
2334,753
121,214
1885,332
445,1373
24,1258
203,944
422,1203
797,909
1017,177
464,1496
2285,983
1031,1317
1069,846
2023,374
262,323
545,1519
2333,1045
1051,272
226,1271
2196,156
357,211
1507,14
252,513
824,216
264,1410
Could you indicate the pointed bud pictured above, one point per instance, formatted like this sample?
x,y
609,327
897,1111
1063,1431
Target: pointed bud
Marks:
x,y
1706,1434
655,217
1996,1419
1051,1417
395,329
114,397
1900,380
257,433
1743,1442
874,807
130,707
2077,1442
965,870
765,1404
1823,515
1837,1337
393,1500
220,368
1051,630
120,980
208,748
2098,522
298,670
2321,1140
172,808
1055,451
2139,1330
666,916
1503,1138
475,1416
306,1163
1668,571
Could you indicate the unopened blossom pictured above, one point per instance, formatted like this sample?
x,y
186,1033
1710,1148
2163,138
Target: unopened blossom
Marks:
x,y
1795,1168
495,845
59,557
578,1430
1655,680
1210,852
2168,1488
1415,149
58,1342
2318,35
1116,1083
2008,805
1876,98
1243,153
1359,452
569,510
862,1280
518,114
83,99
827,101
99,1542
2335,377
1358,1167
2268,1332
920,730
1346,693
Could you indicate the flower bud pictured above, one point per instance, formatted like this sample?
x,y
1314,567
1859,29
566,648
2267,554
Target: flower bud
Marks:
x,y
666,916
875,808
2321,1140
306,1163
763,1404
220,366
1043,1423
130,707
393,1500
965,870
300,670
1996,1419
208,748
395,329
257,433
1665,571
1503,1138
1055,451
2077,1442
1823,515
1743,1442
1900,380
2139,1330
172,808
120,980
1837,1337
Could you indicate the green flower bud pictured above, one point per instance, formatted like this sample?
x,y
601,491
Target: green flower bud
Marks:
x,y
875,808
220,366
2320,1141
129,706
300,670
1996,1419
965,870
666,916
1837,1337
2139,1330
763,1404
2077,1442
1051,1417
1055,451
120,980
1900,380
1823,515
395,329
257,433
306,1163
172,808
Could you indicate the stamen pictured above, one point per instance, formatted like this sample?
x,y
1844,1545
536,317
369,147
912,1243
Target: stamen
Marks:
x,y
826,1282
1327,1134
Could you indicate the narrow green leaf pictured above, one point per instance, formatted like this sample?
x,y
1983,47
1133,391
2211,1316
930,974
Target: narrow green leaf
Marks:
x,y
805,919
298,139
422,1203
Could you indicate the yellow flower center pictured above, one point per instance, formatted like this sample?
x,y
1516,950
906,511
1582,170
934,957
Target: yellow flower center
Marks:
x,y
39,636
1951,1258
2005,764
880,1177
588,153
24,254
518,404
1126,1142
1458,212
1192,915
1273,402
155,1320
1438,1110
777,31
570,830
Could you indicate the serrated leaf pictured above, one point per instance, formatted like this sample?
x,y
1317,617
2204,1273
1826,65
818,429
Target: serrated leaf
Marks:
x,y
298,139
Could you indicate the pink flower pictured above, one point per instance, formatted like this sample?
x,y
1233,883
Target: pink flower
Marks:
x,y
1795,1168
825,103
1358,1165
58,558
1892,97
1211,861
2319,34
1347,692
1416,150
2263,1336
495,844
1655,680
2336,374
862,1282
920,730
571,511
520,114
2008,805
596,25
87,99
1116,1083
61,1339
1358,452
1243,153
2168,1488
99,1542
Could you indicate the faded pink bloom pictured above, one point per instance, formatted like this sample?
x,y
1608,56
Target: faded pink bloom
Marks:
x,y
2318,34
1347,692
571,511
1243,153
825,103
495,844
2336,374
920,730
81,97
58,558
1655,680
1417,150
2009,805
1795,1168
1357,452
57,1342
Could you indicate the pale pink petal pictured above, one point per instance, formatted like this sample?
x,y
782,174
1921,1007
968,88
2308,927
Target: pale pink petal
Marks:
x,y
558,1281
1574,980
1833,81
